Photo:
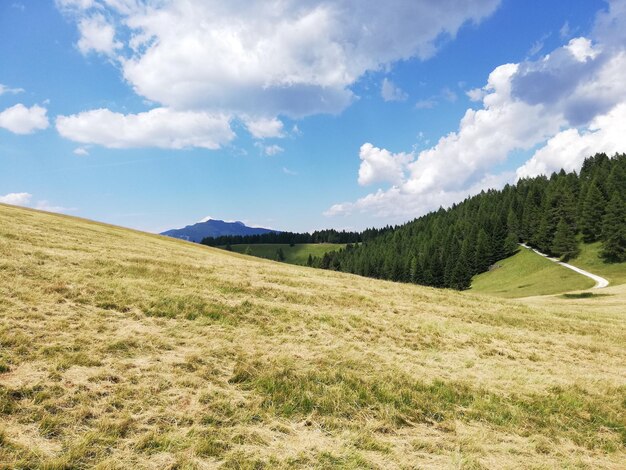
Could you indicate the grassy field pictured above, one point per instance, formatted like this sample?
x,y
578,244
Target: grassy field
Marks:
x,y
120,349
525,274
297,254
589,259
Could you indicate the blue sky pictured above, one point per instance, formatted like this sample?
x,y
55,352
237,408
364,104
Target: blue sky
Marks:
x,y
298,117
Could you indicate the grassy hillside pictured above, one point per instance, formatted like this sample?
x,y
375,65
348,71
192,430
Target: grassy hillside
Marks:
x,y
121,349
589,259
525,274
297,254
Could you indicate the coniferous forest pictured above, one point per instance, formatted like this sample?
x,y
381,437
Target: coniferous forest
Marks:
x,y
447,247
319,236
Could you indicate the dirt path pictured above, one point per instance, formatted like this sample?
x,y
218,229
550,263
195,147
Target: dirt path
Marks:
x,y
600,281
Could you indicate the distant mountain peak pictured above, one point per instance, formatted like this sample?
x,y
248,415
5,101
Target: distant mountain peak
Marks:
x,y
211,228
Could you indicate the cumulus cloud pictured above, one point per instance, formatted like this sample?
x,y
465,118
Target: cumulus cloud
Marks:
x,y
22,120
476,94
16,199
380,165
241,59
265,127
81,151
159,127
569,104
396,205
98,35
569,148
391,92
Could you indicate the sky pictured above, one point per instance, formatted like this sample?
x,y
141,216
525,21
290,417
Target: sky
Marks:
x,y
154,114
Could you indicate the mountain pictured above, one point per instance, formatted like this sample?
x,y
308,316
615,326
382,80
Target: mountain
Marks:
x,y
212,228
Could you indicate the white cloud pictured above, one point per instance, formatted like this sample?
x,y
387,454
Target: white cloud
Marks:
x,y
16,199
396,205
570,103
569,148
97,34
75,4
26,200
391,92
380,165
81,151
287,171
160,127
258,58
269,150
476,94
22,120
14,91
265,127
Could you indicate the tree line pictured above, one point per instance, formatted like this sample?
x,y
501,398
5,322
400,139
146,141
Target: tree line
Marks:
x,y
291,238
448,247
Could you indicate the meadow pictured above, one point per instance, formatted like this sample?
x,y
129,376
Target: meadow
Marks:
x,y
526,274
121,349
296,254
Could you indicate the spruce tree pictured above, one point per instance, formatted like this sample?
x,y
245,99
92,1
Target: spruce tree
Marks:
x,y
483,252
593,211
614,231
564,243
462,276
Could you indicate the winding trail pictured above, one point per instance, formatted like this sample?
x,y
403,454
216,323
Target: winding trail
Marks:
x,y
600,281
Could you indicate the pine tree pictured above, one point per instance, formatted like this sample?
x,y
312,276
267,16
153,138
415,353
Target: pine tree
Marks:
x,y
280,255
462,276
309,261
512,224
614,231
511,244
593,211
564,243
483,252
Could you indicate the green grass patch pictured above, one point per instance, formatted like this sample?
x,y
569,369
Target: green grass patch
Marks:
x,y
589,260
297,254
526,274
350,390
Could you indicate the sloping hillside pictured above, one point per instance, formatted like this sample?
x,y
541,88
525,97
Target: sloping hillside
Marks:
x,y
525,274
528,274
127,350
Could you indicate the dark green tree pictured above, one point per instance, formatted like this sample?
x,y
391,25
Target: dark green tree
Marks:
x,y
614,231
483,252
564,244
593,211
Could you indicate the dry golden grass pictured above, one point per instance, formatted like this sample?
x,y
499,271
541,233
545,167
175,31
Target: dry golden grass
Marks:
x,y
120,349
